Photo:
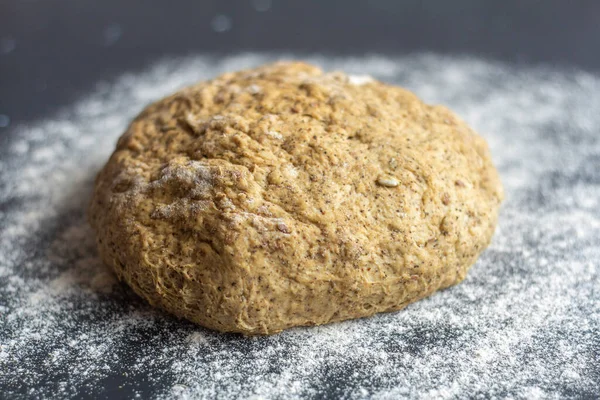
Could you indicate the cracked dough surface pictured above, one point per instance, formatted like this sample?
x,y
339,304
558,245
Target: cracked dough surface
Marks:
x,y
285,196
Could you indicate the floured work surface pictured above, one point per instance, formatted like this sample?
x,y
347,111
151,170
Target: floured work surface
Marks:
x,y
525,323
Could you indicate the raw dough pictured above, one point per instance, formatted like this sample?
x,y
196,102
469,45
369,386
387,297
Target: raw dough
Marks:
x,y
284,196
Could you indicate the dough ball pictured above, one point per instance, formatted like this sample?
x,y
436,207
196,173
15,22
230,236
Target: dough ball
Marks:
x,y
284,196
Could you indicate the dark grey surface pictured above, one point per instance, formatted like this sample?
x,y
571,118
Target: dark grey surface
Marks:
x,y
524,324
63,47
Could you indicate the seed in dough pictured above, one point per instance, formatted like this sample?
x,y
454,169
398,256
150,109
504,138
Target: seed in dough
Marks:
x,y
388,181
284,196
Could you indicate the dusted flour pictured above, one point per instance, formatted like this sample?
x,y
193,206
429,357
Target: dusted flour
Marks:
x,y
524,324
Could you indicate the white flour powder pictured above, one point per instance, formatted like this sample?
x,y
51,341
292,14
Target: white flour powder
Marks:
x,y
524,324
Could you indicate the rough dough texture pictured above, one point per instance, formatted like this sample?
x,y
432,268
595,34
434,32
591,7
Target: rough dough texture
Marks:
x,y
284,196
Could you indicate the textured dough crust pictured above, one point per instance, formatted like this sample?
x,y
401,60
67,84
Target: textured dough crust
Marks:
x,y
284,196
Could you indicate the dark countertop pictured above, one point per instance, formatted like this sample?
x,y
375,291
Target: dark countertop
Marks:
x,y
54,53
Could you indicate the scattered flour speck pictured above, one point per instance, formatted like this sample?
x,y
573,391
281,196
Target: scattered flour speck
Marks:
x,y
275,135
524,324
359,80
